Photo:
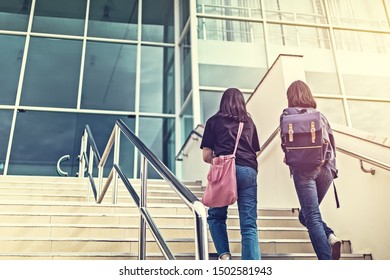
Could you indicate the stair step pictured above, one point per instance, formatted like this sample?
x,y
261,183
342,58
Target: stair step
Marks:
x,y
51,230
72,189
106,207
180,245
130,245
82,183
129,219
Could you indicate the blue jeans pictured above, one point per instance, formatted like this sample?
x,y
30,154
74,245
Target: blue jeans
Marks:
x,y
311,187
247,209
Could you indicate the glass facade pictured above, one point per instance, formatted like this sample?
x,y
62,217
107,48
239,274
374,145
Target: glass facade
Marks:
x,y
65,65
345,48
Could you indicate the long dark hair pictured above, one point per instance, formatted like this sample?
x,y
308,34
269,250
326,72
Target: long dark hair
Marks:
x,y
299,95
233,105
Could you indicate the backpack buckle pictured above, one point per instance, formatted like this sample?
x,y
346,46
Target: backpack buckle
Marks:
x,y
313,132
290,132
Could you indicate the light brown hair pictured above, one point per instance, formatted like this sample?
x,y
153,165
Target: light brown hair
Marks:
x,y
299,95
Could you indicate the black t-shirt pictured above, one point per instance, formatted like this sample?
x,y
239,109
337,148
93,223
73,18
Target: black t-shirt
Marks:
x,y
220,135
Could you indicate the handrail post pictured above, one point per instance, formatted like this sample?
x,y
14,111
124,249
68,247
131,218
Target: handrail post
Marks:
x,y
100,179
90,169
143,204
116,161
83,148
201,237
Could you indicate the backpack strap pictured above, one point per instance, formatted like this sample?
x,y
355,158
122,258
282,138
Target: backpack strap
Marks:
x,y
240,127
294,110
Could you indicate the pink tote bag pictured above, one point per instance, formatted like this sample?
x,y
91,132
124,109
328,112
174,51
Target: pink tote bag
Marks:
x,y
221,188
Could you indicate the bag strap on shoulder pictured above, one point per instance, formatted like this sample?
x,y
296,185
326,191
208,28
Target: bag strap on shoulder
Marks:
x,y
240,127
295,110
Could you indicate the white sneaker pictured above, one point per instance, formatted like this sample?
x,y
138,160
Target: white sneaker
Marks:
x,y
335,244
225,256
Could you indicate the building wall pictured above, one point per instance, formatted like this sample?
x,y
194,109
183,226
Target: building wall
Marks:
x,y
162,66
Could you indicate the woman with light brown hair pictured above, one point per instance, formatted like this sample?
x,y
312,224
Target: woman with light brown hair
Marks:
x,y
311,184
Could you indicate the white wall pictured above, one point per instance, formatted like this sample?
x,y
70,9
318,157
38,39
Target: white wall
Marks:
x,y
364,213
193,166
269,98
276,188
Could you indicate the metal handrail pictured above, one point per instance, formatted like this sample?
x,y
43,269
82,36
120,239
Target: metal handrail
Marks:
x,y
365,159
189,138
201,240
59,169
268,141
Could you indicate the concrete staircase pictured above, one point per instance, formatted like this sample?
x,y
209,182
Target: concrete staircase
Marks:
x,y
49,218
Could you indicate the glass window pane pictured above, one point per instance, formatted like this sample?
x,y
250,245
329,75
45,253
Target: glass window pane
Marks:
x,y
109,77
184,7
187,121
305,37
52,135
209,103
52,73
368,86
323,82
365,74
57,16
236,8
354,41
157,21
229,30
11,55
14,15
228,76
219,64
295,10
282,35
159,136
333,109
5,127
358,13
157,80
314,37
369,116
186,70
113,19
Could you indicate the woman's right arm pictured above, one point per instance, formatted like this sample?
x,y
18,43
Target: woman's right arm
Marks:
x,y
208,155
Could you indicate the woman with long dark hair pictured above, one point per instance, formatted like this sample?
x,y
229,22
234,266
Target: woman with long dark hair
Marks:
x,y
219,139
312,185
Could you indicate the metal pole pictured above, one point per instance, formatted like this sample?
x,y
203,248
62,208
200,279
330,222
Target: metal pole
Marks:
x,y
143,204
201,237
83,148
90,169
116,161
100,178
